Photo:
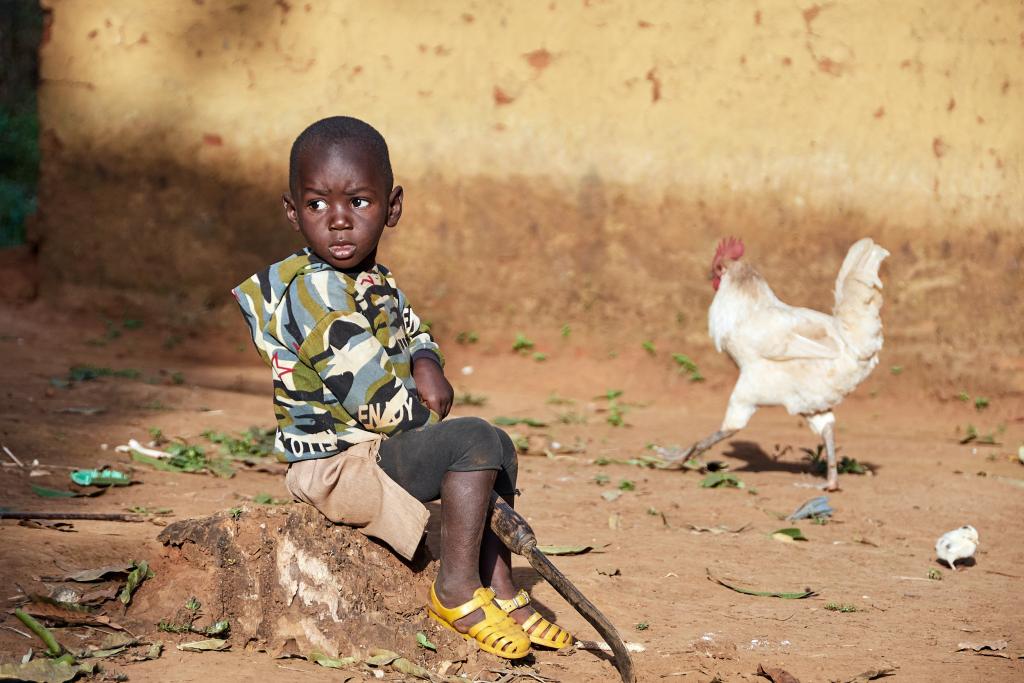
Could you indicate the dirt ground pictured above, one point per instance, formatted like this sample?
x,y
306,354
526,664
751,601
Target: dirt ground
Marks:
x,y
650,567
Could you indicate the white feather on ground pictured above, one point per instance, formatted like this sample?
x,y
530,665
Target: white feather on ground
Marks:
x,y
958,544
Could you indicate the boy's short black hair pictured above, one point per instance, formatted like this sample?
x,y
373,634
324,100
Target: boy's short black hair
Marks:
x,y
334,130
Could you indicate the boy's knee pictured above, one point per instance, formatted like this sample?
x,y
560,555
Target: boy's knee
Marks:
x,y
508,448
483,447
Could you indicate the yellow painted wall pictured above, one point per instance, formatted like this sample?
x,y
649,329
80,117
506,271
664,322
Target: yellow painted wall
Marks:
x,y
562,160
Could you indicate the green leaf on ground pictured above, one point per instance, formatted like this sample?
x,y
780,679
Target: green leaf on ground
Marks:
x,y
422,641
134,580
44,492
788,535
522,343
208,645
267,499
565,549
44,671
796,595
722,480
331,662
468,399
840,607
513,421
686,364
85,373
382,657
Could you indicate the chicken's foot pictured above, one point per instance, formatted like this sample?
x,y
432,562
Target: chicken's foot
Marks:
x,y
676,460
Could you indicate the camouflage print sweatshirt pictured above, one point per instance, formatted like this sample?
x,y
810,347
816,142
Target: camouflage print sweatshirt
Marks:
x,y
340,346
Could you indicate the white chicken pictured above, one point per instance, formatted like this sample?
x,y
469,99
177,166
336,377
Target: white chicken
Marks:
x,y
958,544
794,357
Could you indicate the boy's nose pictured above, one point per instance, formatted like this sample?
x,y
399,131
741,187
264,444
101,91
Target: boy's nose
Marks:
x,y
340,220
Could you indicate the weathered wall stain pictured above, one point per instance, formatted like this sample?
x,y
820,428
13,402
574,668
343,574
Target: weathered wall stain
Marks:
x,y
560,159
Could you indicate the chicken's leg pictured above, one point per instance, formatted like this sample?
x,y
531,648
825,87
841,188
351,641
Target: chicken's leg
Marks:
x,y
823,424
676,460
832,484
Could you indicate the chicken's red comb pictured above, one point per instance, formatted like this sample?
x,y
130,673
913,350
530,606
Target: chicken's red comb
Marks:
x,y
730,248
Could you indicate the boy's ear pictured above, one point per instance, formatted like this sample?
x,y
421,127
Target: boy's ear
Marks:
x,y
289,210
395,206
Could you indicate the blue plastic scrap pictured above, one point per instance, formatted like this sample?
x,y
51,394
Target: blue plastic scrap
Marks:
x,y
815,507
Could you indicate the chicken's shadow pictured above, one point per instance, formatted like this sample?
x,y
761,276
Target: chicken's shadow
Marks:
x,y
757,460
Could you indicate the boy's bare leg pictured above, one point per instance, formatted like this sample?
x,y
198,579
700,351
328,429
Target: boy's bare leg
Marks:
x,y
496,569
465,499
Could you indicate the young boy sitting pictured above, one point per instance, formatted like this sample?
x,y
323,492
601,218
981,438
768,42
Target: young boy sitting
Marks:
x,y
360,393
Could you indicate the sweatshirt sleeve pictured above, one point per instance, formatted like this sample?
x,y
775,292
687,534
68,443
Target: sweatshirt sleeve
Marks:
x,y
421,342
354,365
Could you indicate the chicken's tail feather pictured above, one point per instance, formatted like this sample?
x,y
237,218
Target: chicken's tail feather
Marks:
x,y
859,297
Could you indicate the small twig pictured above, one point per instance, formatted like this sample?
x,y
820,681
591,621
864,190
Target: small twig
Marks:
x,y
291,668
993,571
18,631
13,457
102,516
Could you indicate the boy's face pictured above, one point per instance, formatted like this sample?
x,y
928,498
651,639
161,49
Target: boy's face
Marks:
x,y
341,205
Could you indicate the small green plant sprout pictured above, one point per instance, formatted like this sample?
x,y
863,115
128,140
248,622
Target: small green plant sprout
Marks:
x,y
611,394
267,499
972,435
642,626
421,640
566,331
236,512
840,607
555,400
648,346
468,399
686,364
653,512
540,357
601,479
846,464
627,485
157,435
896,369
177,378
963,396
522,344
572,418
616,414
468,337
934,574
980,403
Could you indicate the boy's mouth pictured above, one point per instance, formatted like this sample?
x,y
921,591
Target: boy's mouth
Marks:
x,y
343,250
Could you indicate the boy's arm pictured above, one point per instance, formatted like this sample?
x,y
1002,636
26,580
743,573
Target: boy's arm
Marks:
x,y
431,384
427,362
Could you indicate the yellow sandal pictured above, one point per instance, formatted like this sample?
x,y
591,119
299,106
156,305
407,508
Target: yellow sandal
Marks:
x,y
537,628
496,633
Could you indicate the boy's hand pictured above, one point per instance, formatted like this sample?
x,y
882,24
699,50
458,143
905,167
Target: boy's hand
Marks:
x,y
433,387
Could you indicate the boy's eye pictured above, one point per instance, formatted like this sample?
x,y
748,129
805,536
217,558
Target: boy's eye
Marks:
x,y
317,205
360,203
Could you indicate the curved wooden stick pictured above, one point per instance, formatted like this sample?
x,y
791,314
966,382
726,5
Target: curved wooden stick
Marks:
x,y
515,533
